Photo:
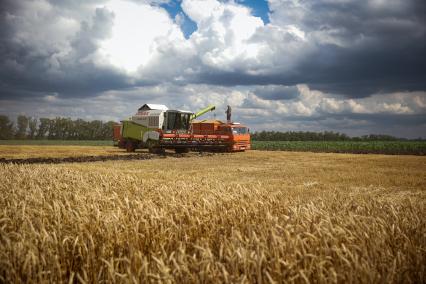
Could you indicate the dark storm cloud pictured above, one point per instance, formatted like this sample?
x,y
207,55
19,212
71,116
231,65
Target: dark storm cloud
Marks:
x,y
378,19
60,64
375,46
228,78
388,119
357,48
383,120
381,19
276,92
411,126
332,69
382,68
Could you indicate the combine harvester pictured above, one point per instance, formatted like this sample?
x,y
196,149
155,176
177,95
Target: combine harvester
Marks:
x,y
157,128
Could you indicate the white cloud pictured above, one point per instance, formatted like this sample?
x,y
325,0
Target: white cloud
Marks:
x,y
200,10
135,31
236,98
51,98
52,33
222,38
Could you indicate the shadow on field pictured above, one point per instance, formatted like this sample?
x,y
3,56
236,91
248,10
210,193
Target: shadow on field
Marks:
x,y
85,159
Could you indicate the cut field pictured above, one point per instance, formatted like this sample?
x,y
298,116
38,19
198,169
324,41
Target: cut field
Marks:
x,y
258,216
55,151
58,142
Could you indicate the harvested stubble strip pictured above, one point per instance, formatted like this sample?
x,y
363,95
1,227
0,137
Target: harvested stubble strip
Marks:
x,y
82,159
100,158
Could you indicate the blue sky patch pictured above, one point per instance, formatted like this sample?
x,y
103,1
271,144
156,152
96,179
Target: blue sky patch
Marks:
x,y
259,8
188,26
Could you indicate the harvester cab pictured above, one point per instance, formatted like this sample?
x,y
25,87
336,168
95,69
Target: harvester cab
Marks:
x,y
179,121
176,121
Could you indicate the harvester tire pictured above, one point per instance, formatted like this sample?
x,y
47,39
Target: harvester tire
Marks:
x,y
153,147
130,146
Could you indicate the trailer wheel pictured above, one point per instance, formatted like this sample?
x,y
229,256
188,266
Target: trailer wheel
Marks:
x,y
130,147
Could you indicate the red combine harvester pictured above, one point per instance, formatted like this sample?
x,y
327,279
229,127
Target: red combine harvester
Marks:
x,y
157,128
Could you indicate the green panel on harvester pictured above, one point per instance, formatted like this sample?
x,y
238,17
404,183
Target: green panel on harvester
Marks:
x,y
133,130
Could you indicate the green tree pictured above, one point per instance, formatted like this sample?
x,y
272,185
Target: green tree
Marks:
x,y
81,129
32,126
6,128
22,126
43,128
51,129
107,130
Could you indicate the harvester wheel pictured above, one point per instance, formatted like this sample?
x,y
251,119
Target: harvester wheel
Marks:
x,y
153,147
130,147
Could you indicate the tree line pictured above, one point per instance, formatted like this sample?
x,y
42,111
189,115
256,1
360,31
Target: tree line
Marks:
x,y
61,128
58,128
318,136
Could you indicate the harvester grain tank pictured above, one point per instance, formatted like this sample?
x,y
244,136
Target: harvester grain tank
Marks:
x,y
157,128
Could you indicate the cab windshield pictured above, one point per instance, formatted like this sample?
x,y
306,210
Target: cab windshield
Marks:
x,y
177,121
239,130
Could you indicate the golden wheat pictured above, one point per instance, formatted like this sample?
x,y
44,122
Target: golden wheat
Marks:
x,y
40,151
256,217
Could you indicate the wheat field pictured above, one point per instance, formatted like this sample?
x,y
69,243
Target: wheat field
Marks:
x,y
254,217
55,151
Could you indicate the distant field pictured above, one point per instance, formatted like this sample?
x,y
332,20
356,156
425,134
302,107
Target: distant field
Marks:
x,y
58,142
373,147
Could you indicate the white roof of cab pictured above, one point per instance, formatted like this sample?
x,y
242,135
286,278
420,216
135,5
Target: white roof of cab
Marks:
x,y
182,111
185,111
153,106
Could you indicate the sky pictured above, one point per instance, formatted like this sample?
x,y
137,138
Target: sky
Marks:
x,y
352,66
